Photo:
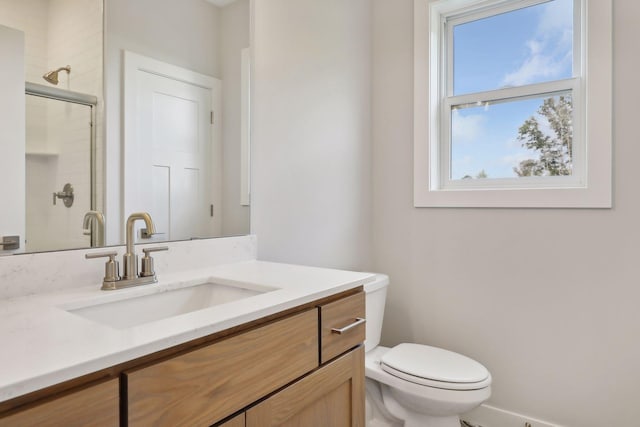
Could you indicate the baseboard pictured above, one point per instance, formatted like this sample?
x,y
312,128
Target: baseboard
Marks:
x,y
490,416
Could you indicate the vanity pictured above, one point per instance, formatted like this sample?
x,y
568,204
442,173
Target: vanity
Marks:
x,y
220,339
283,348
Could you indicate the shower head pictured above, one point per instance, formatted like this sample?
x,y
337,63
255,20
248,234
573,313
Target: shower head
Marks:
x,y
52,76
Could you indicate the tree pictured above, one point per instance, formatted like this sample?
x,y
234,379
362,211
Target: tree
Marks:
x,y
481,174
555,151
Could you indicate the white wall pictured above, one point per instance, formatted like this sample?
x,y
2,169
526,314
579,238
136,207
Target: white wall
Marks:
x,y
234,36
546,299
311,192
183,33
12,105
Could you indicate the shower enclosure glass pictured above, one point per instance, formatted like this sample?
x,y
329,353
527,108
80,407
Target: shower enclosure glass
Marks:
x,y
60,170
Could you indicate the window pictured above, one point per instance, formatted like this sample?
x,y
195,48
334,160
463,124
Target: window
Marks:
x,y
512,103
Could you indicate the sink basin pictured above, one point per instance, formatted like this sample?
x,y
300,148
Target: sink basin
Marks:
x,y
136,311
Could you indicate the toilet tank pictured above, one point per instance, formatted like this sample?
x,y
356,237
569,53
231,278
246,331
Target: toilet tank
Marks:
x,y
375,296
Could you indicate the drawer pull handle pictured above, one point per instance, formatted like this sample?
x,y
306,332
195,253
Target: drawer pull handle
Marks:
x,y
359,321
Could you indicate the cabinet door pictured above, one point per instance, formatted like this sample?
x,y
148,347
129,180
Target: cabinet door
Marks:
x,y
95,406
208,384
237,421
332,396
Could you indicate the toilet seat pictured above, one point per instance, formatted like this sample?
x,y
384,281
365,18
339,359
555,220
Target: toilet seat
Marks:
x,y
435,367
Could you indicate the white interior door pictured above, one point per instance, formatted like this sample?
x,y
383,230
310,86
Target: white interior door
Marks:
x,y
173,153
12,136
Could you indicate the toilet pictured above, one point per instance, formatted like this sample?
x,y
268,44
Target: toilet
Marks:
x,y
414,385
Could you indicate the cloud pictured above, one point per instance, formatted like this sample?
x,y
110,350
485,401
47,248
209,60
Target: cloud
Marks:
x,y
466,128
549,51
513,160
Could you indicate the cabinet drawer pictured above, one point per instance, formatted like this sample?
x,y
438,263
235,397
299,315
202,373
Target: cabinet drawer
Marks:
x,y
343,315
96,406
210,383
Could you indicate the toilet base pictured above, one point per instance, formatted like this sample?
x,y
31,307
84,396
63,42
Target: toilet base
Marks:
x,y
376,415
427,421
415,419
382,410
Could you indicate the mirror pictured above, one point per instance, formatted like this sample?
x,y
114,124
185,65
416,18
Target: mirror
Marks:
x,y
81,155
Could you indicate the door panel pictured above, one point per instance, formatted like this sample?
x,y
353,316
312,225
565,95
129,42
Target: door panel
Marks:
x,y
172,150
332,396
175,128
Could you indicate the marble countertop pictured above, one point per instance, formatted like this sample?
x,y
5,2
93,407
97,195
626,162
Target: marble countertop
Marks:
x,y
44,344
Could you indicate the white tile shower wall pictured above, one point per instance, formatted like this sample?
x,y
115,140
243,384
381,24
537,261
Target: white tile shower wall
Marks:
x,y
30,17
50,226
74,37
28,274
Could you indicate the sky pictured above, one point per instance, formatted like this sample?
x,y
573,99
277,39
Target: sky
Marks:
x,y
525,46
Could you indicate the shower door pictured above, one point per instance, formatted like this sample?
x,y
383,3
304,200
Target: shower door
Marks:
x,y
58,160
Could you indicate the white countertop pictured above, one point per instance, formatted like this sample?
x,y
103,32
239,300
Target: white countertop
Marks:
x,y
43,344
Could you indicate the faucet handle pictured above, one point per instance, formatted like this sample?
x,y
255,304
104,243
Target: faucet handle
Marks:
x,y
144,234
111,254
147,262
111,268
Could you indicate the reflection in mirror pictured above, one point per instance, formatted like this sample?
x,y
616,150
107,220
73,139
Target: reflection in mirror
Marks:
x,y
153,118
59,148
62,42
61,61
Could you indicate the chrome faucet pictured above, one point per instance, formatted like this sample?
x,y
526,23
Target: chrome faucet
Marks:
x,y
94,220
147,275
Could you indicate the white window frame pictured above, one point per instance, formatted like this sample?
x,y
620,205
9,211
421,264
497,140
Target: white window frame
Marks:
x,y
590,184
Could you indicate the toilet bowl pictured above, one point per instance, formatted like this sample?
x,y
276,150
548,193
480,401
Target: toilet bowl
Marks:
x,y
414,385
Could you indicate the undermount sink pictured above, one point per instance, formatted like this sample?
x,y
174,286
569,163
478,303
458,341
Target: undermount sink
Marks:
x,y
138,310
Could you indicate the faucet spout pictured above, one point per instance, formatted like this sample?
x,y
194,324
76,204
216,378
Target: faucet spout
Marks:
x,y
130,259
97,218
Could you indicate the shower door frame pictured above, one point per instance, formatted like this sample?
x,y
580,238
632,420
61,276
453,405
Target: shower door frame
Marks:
x,y
91,101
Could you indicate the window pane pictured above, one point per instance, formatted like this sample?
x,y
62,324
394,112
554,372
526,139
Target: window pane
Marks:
x,y
524,46
531,137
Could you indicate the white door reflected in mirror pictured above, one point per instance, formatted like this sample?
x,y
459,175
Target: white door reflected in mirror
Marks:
x,y
173,154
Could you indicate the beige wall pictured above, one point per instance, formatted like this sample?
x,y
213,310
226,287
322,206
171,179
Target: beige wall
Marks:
x,y
546,299
311,132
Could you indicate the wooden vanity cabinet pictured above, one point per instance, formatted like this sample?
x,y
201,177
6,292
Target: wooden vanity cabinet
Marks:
x,y
94,406
208,384
287,370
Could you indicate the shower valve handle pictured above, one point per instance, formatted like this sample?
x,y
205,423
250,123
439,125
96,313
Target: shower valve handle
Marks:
x,y
66,195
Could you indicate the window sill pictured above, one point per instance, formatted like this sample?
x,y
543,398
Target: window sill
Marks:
x,y
514,198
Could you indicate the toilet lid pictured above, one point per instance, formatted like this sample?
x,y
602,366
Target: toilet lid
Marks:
x,y
435,367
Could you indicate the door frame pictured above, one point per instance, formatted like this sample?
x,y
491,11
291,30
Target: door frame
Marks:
x,y
133,64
